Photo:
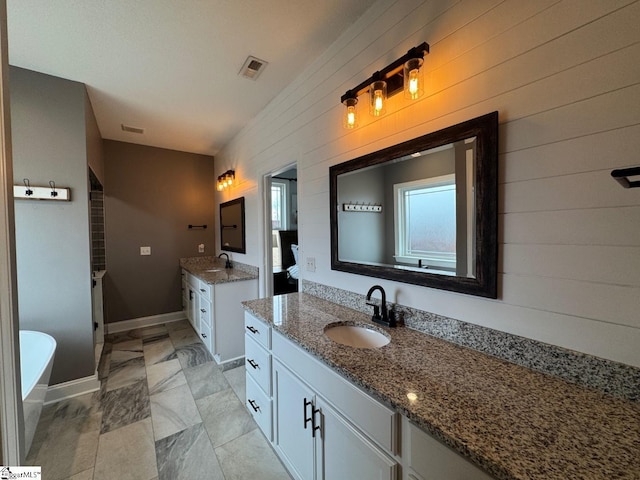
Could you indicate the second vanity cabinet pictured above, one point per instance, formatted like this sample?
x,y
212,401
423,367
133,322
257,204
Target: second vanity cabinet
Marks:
x,y
215,312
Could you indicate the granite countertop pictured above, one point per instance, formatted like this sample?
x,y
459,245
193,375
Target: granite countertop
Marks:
x,y
511,421
212,271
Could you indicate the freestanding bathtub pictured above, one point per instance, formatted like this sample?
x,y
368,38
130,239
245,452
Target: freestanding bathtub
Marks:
x,y
36,359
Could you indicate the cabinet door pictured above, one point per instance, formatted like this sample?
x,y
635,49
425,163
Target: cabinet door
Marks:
x,y
345,453
193,309
293,438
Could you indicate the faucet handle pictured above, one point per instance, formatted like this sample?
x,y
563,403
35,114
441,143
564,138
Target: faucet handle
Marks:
x,y
392,318
376,312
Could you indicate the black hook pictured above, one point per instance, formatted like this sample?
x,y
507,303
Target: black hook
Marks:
x,y
28,192
52,184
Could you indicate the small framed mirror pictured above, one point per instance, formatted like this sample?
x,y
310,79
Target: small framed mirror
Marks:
x,y
422,212
232,231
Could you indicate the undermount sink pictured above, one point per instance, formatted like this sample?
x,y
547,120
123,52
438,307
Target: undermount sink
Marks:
x,y
359,336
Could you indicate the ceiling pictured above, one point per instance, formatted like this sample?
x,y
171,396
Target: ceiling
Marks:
x,y
171,66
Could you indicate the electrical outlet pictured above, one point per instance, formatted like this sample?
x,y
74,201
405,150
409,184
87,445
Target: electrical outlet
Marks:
x,y
145,250
311,264
201,248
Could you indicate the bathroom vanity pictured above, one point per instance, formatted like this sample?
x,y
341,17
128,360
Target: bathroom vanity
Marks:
x,y
211,296
419,407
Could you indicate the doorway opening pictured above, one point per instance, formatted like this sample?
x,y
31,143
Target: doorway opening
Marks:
x,y
282,230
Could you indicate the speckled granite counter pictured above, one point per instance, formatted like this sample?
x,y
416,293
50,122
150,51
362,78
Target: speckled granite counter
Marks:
x,y
211,270
511,421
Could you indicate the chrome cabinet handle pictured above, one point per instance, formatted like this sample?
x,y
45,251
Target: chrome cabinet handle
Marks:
x,y
256,408
253,364
252,330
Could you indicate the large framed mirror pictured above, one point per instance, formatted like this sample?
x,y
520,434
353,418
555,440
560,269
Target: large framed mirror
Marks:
x,y
232,230
422,212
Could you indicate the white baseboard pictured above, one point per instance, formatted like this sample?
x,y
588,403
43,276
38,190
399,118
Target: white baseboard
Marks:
x,y
72,388
141,322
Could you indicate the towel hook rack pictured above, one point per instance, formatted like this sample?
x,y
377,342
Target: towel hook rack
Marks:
x,y
622,176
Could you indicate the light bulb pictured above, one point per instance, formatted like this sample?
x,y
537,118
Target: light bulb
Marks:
x,y
377,102
378,93
413,78
350,117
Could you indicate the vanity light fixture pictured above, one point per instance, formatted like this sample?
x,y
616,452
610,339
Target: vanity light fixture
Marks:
x,y
226,179
406,73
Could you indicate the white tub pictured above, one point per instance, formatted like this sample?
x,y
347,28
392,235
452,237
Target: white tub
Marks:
x,y
36,359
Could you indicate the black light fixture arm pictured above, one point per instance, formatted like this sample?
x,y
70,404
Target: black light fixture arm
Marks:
x,y
392,74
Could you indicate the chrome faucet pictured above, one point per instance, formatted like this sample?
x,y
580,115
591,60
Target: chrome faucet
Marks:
x,y
227,264
380,313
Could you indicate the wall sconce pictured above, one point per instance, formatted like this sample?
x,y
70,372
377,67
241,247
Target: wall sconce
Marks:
x,y
226,179
406,73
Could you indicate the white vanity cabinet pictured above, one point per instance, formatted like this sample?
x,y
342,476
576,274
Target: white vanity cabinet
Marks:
x,y
216,314
324,427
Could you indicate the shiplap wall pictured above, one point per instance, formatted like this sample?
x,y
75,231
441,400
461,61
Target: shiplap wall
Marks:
x,y
565,77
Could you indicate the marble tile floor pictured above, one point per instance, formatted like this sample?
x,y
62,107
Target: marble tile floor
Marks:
x,y
165,410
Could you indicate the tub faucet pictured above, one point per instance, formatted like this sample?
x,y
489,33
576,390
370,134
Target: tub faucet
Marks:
x,y
380,313
227,264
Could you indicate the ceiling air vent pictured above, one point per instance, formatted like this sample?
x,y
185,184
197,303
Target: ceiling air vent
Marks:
x,y
130,129
252,68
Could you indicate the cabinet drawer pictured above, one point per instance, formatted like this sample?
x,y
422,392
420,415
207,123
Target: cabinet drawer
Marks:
x,y
258,330
259,406
258,363
206,336
205,290
377,421
434,461
205,312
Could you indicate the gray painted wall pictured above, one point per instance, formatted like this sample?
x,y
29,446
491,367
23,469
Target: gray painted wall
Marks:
x,y
52,238
366,186
151,195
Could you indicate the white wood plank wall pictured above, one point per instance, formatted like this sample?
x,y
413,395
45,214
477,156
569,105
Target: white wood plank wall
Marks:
x,y
565,77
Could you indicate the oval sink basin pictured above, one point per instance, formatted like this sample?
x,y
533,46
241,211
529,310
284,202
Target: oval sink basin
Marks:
x,y
358,336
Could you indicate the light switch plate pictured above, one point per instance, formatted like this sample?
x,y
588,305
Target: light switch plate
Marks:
x,y
201,248
145,250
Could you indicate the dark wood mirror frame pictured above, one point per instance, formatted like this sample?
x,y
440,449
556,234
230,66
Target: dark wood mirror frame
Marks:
x,y
485,129
232,228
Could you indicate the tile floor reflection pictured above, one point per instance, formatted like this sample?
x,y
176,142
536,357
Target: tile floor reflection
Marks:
x,y
165,411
